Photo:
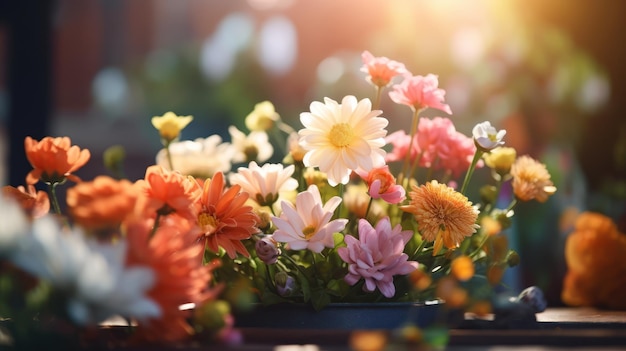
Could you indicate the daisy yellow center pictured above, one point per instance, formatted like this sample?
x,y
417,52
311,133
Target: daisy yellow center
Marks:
x,y
341,135
207,222
308,231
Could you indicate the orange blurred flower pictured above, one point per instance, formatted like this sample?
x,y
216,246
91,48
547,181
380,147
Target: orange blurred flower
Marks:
x,y
102,203
224,219
180,277
35,203
169,192
531,180
448,289
444,215
462,268
54,159
594,254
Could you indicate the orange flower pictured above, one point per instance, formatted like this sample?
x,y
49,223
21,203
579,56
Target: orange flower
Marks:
x,y
102,203
35,203
531,180
443,215
462,268
180,277
224,218
54,159
594,254
169,191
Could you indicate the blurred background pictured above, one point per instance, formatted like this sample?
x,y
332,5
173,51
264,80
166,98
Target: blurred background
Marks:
x,y
551,73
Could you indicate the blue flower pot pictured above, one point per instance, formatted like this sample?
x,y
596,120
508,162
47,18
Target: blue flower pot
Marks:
x,y
341,316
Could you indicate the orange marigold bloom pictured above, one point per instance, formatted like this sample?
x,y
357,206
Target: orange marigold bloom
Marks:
x,y
180,277
594,254
54,159
531,180
102,203
443,214
224,219
35,203
169,191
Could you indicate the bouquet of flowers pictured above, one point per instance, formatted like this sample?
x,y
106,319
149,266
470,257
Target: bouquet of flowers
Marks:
x,y
350,213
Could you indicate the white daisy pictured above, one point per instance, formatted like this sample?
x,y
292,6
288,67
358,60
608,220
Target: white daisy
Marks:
x,y
340,138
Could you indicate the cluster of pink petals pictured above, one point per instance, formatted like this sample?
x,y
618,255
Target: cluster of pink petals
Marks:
x,y
377,256
420,92
382,185
401,146
437,143
381,70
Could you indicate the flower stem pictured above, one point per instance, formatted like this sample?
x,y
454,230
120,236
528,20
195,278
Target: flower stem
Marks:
x,y
479,247
168,154
511,205
419,249
470,170
379,91
369,206
155,226
407,158
53,195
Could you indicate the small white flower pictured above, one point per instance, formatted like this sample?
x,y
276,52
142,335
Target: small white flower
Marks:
x,y
202,157
486,137
264,184
252,147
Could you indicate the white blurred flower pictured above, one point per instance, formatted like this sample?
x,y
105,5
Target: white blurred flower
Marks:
x,y
93,276
486,137
14,225
252,147
202,157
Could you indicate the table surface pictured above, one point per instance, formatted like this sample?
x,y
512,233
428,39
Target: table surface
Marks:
x,y
556,329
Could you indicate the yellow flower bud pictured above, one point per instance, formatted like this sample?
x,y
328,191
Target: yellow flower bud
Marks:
x,y
262,118
169,125
500,159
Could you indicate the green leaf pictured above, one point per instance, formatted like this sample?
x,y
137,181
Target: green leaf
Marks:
x,y
319,299
305,286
